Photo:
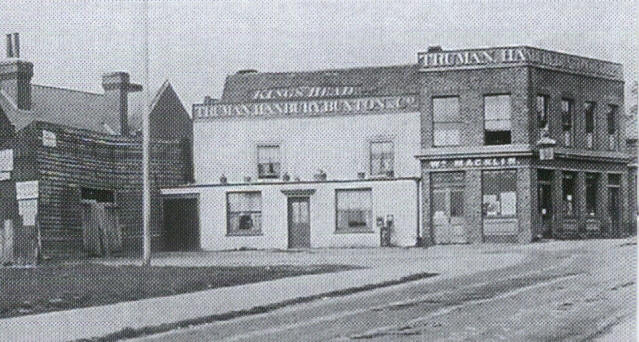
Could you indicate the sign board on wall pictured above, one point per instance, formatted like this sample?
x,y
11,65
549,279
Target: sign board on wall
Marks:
x,y
48,139
472,163
28,209
6,160
26,190
519,55
303,92
307,107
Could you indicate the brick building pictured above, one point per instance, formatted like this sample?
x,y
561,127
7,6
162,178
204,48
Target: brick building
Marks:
x,y
71,164
484,145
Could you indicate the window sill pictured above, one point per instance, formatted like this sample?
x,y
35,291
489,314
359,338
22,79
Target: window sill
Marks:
x,y
354,231
245,234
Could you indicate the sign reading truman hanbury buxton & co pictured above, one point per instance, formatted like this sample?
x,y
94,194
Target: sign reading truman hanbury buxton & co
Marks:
x,y
307,107
519,55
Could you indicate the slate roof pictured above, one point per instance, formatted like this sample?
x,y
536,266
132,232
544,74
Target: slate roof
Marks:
x,y
387,80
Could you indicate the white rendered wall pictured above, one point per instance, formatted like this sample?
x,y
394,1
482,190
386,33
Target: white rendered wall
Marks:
x,y
396,197
339,145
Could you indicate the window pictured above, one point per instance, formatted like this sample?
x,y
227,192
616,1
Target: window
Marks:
x,y
612,127
354,210
589,112
568,191
446,121
566,121
592,182
499,192
244,213
497,120
542,112
98,195
382,158
268,161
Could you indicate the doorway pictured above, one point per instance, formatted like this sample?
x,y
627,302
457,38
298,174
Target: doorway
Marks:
x,y
299,223
614,203
544,192
447,207
181,224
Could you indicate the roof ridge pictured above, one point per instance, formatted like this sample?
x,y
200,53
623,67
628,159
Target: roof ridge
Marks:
x,y
67,89
328,70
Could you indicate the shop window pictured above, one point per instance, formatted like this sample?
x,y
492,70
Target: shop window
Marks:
x,y
566,121
446,121
244,212
268,161
499,193
382,158
612,127
497,125
589,112
354,210
98,195
592,182
568,190
542,112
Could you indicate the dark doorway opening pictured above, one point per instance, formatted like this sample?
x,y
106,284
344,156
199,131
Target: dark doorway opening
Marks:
x,y
544,189
181,224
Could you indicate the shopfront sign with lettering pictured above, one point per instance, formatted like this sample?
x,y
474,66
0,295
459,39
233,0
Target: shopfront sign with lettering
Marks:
x,y
472,163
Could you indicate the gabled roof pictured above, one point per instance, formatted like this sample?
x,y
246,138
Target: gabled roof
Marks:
x,y
165,89
386,80
65,107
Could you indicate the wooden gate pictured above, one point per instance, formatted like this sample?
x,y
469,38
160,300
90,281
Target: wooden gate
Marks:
x,y
101,230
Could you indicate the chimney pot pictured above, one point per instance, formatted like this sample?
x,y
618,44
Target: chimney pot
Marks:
x,y
435,48
9,46
16,45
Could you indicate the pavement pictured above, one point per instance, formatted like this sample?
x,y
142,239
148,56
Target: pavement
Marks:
x,y
382,265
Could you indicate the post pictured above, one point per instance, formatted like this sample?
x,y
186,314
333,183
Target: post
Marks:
x,y
146,198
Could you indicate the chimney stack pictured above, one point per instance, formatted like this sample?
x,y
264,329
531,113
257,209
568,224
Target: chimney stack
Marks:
x,y
116,89
15,74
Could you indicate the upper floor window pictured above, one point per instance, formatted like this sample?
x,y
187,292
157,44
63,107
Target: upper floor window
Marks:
x,y
382,158
612,127
542,111
566,121
446,121
497,116
268,161
589,112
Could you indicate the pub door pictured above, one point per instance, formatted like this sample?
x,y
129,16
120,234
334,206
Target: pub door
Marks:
x,y
447,201
614,203
299,223
544,189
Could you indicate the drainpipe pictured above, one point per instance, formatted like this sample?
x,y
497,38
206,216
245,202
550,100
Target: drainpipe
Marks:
x,y
419,241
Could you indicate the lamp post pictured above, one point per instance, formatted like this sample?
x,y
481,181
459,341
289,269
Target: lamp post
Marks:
x,y
146,197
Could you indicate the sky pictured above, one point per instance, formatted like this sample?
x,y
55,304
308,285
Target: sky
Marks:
x,y
196,44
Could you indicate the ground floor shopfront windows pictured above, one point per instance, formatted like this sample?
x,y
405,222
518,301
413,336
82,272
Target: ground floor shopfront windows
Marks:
x,y
523,201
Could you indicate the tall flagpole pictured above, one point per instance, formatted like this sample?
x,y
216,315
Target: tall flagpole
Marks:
x,y
146,197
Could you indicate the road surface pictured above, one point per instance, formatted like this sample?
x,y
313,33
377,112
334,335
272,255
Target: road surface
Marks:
x,y
586,293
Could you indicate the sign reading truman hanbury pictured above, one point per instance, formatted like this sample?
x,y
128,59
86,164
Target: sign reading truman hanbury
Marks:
x,y
307,107
519,55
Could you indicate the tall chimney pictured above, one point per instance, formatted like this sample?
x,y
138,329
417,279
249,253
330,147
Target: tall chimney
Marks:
x,y
16,45
15,75
116,90
9,46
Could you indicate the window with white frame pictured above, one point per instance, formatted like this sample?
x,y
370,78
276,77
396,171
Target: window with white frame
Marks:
x,y
612,127
354,210
497,116
589,112
566,121
382,158
446,121
268,161
244,213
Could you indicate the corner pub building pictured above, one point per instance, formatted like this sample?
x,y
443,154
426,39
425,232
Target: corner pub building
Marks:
x,y
505,144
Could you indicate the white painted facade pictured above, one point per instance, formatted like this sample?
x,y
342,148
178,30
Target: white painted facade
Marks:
x,y
338,145
390,197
